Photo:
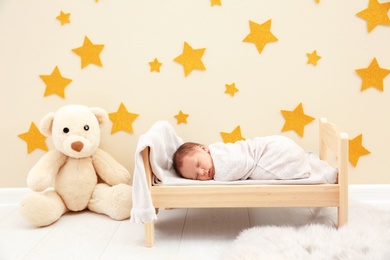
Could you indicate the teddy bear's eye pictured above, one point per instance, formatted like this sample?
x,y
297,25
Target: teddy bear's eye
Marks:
x,y
65,130
86,127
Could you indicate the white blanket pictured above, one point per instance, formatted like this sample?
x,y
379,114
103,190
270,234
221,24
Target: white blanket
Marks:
x,y
162,140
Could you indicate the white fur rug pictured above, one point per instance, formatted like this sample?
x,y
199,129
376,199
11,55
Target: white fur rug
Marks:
x,y
366,236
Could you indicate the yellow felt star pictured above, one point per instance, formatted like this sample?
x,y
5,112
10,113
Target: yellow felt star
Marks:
x,y
231,89
181,117
233,136
317,1
34,139
89,53
55,83
296,120
356,149
372,76
155,65
375,14
312,58
63,18
191,59
215,2
122,120
260,34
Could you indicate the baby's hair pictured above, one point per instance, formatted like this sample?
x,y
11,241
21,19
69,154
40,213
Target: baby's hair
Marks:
x,y
183,150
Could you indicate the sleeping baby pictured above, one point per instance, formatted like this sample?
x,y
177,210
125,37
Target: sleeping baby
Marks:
x,y
263,158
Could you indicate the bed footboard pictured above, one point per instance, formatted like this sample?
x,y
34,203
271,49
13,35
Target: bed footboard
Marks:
x,y
337,143
212,196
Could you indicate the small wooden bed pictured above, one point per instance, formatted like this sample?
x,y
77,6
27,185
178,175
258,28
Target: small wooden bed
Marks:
x,y
245,196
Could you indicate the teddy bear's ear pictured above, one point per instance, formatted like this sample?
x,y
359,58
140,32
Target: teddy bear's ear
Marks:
x,y
46,124
101,115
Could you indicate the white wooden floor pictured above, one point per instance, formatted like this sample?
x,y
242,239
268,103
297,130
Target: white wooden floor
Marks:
x,y
179,233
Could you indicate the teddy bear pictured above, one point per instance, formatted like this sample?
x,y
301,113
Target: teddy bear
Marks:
x,y
77,174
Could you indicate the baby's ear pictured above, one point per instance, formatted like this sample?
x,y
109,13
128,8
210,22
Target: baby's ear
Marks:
x,y
203,147
101,115
46,124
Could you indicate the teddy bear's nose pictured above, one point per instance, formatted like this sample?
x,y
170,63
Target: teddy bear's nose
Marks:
x,y
77,146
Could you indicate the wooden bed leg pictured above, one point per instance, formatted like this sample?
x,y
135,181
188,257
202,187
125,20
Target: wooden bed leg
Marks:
x,y
342,212
343,180
149,226
149,234
342,217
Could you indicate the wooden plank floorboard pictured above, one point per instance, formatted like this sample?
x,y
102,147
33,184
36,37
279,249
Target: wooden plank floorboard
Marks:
x,y
207,231
6,210
17,238
129,239
81,235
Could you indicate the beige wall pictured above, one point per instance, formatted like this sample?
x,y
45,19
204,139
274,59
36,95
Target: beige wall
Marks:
x,y
33,42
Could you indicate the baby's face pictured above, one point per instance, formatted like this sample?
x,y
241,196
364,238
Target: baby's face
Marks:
x,y
198,165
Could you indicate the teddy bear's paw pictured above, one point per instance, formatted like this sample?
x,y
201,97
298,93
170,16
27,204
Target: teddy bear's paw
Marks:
x,y
99,199
114,201
42,209
121,202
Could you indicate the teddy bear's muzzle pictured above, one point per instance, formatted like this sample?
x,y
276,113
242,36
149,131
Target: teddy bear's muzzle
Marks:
x,y
77,146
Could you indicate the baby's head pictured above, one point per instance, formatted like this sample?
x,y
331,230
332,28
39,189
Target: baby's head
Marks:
x,y
193,161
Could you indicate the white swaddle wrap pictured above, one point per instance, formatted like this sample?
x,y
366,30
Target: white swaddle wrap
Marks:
x,y
266,158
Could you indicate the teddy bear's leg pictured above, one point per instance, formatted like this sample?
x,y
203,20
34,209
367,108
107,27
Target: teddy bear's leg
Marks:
x,y
114,201
42,208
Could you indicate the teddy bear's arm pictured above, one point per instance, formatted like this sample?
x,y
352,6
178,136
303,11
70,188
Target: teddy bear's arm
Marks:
x,y
42,173
109,169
